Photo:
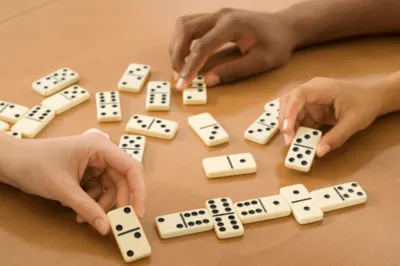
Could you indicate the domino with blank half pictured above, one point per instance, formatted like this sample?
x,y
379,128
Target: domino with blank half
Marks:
x,y
11,112
108,106
340,196
196,93
14,134
208,129
264,128
226,221
261,209
304,208
158,96
129,234
34,121
229,165
55,81
134,78
4,126
184,223
152,127
133,145
95,130
302,150
66,99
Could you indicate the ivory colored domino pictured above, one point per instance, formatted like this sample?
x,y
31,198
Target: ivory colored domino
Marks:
x,y
158,96
134,78
108,106
34,121
208,129
184,223
262,209
272,106
133,145
229,165
95,130
55,81
152,127
4,126
196,93
11,112
304,208
340,196
263,129
66,99
14,134
129,234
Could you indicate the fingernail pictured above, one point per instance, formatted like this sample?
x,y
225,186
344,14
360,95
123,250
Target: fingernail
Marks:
x,y
180,85
286,138
212,80
285,124
176,75
101,226
323,149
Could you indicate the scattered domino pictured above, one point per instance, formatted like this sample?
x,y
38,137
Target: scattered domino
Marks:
x,y
14,134
4,126
264,128
340,196
129,234
208,129
108,106
229,165
261,209
134,78
33,122
133,145
226,222
11,112
196,93
158,96
304,208
152,127
272,106
302,151
184,223
55,81
66,99
96,131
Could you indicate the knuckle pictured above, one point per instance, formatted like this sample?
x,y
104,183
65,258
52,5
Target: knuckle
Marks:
x,y
200,47
320,80
225,10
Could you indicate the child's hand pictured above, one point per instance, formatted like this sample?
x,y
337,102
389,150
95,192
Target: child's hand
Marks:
x,y
349,107
264,41
86,172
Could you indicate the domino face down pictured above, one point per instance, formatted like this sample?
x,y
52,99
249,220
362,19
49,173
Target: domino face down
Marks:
x,y
302,150
208,129
129,234
196,93
152,127
108,106
133,145
134,78
340,196
226,221
304,208
11,112
66,99
263,129
229,165
158,96
261,209
184,223
55,81
33,122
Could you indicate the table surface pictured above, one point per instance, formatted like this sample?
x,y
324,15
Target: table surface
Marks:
x,y
99,39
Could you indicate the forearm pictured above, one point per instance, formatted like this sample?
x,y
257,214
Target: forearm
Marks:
x,y
319,21
8,147
390,88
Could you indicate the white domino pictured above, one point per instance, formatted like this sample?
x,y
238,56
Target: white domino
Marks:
x,y
14,134
95,130
129,234
264,128
108,106
196,93
152,127
55,81
133,145
158,96
184,223
304,208
134,78
229,165
302,151
208,129
272,106
11,112
4,126
340,196
34,121
66,99
261,209
226,221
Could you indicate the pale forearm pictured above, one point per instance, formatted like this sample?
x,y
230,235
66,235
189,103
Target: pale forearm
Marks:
x,y
324,20
8,158
390,89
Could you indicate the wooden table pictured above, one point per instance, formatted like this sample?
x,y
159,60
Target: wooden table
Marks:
x,y
99,39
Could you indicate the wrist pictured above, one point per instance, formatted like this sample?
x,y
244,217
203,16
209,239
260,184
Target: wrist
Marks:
x,y
8,158
389,96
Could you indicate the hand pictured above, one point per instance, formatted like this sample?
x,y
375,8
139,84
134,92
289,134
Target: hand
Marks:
x,y
262,42
86,172
348,106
